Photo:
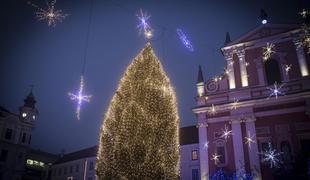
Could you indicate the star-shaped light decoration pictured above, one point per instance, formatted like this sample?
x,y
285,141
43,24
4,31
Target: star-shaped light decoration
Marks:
x,y
80,97
276,90
215,158
226,133
268,50
304,13
271,155
235,104
212,110
287,68
247,64
143,25
50,14
249,139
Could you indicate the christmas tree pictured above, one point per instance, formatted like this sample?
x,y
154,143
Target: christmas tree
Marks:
x,y
139,138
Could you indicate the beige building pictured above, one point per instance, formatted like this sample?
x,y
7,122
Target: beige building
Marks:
x,y
15,138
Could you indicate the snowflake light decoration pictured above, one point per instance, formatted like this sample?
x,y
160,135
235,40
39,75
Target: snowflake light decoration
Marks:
x,y
215,158
235,104
271,155
206,145
268,50
187,43
143,25
226,133
287,68
212,110
50,14
249,139
304,13
276,90
80,97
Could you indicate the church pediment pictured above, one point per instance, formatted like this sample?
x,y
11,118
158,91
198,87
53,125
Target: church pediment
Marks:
x,y
264,31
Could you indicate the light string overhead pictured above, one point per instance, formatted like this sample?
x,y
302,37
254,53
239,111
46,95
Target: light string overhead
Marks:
x,y
80,97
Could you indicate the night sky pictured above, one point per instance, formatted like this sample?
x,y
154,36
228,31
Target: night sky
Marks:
x,y
51,58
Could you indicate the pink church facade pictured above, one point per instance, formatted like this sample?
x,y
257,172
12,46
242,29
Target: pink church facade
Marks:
x,y
239,100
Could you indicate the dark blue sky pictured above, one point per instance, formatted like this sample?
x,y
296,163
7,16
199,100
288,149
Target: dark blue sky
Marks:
x,y
51,58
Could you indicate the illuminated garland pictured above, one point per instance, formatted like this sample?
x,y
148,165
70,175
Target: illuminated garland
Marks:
x,y
139,138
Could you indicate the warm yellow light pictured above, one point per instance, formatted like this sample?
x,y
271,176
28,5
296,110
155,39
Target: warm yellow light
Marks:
x,y
139,138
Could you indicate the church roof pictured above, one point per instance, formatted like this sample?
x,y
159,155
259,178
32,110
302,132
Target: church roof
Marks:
x,y
262,31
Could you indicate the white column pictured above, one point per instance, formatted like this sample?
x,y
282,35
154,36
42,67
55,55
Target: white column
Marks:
x,y
301,58
230,68
253,149
203,151
243,72
238,146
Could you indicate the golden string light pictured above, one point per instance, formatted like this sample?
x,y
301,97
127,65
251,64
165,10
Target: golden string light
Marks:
x,y
139,137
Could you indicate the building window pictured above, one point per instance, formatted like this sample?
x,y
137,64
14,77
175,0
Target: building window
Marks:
x,y
195,174
265,146
65,170
24,138
272,71
286,151
29,140
77,167
91,166
71,169
8,134
20,157
194,155
221,151
59,171
4,155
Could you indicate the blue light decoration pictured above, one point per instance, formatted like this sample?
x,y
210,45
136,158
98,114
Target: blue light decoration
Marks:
x,y
220,175
185,40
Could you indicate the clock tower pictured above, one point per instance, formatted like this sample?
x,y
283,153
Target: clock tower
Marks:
x,y
28,112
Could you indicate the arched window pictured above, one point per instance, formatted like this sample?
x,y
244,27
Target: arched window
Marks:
x,y
220,149
286,150
273,73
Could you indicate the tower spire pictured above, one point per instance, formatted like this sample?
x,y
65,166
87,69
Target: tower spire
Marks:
x,y
30,100
200,76
227,38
